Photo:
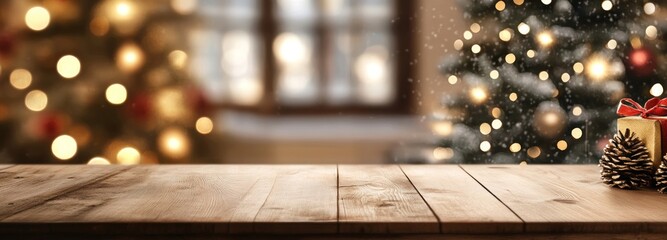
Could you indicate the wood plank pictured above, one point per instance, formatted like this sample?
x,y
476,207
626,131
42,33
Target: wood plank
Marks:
x,y
301,200
572,198
380,199
164,199
461,203
3,166
25,186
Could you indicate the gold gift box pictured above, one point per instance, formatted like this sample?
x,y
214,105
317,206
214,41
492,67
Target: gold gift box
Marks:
x,y
648,131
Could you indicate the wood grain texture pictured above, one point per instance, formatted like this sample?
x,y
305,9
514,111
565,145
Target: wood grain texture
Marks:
x,y
3,166
461,203
566,198
25,186
302,199
380,199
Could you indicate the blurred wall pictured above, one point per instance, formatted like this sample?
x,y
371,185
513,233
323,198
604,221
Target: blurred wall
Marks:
x,y
440,23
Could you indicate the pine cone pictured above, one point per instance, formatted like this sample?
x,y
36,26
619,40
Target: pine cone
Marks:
x,y
625,162
661,176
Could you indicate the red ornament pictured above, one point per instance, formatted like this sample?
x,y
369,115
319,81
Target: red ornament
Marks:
x,y
50,125
7,44
642,62
198,101
140,107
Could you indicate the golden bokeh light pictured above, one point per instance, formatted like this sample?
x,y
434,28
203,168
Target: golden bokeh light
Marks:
x,y
184,7
565,77
577,133
442,128
204,125
543,75
534,152
98,161
505,35
515,147
596,68
561,145
475,27
494,74
500,5
656,90
116,94
476,48
68,66
612,44
37,18
606,5
20,78
510,58
64,147
496,112
467,35
485,128
178,59
452,79
496,124
577,111
174,143
578,67
485,146
530,53
441,153
36,100
458,44
651,32
129,57
478,95
128,156
545,38
523,28
513,97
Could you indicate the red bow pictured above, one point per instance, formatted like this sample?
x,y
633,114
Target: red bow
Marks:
x,y
654,106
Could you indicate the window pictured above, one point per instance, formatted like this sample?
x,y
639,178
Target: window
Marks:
x,y
302,56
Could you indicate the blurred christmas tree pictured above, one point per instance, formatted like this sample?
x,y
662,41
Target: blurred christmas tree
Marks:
x,y
541,79
100,81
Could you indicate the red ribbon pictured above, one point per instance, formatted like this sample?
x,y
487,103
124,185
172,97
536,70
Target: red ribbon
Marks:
x,y
652,107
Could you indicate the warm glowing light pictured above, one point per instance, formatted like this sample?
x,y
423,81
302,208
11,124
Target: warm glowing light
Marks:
x,y
561,145
178,59
184,6
442,128
639,57
577,133
494,74
565,77
515,147
577,111
129,57
36,100
441,153
518,2
452,79
607,5
20,78
478,95
530,53
545,39
656,90
371,66
649,8
546,2
496,124
523,28
116,94
476,48
612,44
597,68
485,128
458,44
635,42
204,125
124,10
64,147
485,146
68,66
128,156
467,35
551,119
496,112
291,49
174,143
578,67
543,75
500,5
475,27
37,18
651,32
505,34
534,152
98,161
513,97
510,58
170,104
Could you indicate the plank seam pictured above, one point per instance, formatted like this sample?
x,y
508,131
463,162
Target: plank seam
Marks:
x,y
273,185
7,167
68,191
337,199
423,199
497,198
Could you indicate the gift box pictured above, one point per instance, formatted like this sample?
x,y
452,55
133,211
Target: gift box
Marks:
x,y
648,122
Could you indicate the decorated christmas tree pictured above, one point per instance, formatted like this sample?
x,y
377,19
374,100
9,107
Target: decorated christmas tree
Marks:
x,y
99,82
540,79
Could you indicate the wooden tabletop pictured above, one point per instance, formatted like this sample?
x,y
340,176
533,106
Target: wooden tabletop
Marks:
x,y
322,200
